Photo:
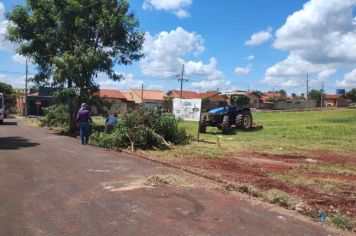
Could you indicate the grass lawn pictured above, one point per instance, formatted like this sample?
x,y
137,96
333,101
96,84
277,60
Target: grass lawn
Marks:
x,y
283,133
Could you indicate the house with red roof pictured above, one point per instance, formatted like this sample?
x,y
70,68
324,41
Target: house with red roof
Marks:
x,y
118,100
185,94
212,96
336,100
150,99
112,94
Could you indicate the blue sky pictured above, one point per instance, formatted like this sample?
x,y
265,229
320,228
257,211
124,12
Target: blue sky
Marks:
x,y
229,45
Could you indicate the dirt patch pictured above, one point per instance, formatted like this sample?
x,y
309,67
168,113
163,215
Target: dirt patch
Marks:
x,y
263,161
165,180
251,169
333,158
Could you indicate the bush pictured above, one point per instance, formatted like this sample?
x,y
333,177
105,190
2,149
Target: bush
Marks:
x,y
143,129
56,116
352,106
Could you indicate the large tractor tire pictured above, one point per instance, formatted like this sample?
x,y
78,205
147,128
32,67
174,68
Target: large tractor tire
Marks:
x,y
202,124
225,125
244,120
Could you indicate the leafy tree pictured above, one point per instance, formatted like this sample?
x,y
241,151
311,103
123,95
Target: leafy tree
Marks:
x,y
240,100
9,96
352,94
258,93
71,42
316,96
205,100
282,93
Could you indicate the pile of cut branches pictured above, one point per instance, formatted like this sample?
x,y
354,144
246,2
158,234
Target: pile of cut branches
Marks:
x,y
144,130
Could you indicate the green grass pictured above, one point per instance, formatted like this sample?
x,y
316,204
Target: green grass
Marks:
x,y
98,120
315,183
279,197
338,169
341,221
283,133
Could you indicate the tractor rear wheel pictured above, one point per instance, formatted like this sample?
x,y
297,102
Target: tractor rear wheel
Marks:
x,y
202,124
244,120
225,125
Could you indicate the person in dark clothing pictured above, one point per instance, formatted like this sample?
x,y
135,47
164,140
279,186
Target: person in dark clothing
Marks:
x,y
83,119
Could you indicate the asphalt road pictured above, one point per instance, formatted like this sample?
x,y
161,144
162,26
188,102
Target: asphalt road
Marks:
x,y
52,185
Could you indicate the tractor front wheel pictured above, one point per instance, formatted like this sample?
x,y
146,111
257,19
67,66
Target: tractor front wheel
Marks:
x,y
225,125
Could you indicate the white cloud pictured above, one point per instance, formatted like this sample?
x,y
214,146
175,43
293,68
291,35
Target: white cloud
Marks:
x,y
243,70
4,44
259,38
129,81
175,6
322,76
155,87
208,70
250,58
295,66
218,84
165,55
282,82
349,80
164,51
2,10
19,59
320,38
14,81
326,74
321,32
215,78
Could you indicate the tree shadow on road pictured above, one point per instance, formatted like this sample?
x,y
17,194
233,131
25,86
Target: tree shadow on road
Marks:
x,y
12,143
9,123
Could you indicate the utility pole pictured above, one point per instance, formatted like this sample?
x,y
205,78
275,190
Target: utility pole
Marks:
x,y
322,94
26,79
181,79
307,95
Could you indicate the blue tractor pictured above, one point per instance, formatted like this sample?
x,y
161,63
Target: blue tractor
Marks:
x,y
237,115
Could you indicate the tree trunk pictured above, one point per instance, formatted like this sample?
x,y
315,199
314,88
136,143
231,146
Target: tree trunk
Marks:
x,y
72,111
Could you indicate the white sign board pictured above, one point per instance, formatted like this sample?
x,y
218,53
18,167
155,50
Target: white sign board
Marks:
x,y
187,109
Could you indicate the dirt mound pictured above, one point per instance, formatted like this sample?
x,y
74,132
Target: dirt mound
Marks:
x,y
165,180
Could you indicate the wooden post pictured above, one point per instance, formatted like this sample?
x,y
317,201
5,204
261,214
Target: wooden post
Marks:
x,y
198,136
